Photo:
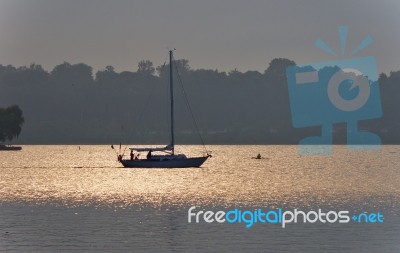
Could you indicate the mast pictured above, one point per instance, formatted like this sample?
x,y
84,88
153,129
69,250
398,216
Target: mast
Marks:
x,y
171,90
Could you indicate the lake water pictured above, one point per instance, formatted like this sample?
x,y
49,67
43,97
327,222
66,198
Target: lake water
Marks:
x,y
80,199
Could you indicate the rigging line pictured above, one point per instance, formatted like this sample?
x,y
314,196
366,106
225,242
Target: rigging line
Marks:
x,y
190,109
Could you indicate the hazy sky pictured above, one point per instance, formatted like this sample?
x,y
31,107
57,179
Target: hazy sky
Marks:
x,y
222,34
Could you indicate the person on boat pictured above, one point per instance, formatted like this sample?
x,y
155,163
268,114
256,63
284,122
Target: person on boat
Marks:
x,y
149,155
132,155
258,156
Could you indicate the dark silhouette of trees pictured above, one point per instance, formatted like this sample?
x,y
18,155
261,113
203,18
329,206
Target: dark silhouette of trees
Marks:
x,y
277,67
77,73
71,105
11,121
106,75
146,67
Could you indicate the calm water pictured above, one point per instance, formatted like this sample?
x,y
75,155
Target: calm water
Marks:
x,y
62,198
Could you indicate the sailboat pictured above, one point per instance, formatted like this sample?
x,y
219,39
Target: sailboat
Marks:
x,y
167,158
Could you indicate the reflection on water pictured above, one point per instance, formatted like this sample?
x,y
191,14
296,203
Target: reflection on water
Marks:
x,y
60,198
91,175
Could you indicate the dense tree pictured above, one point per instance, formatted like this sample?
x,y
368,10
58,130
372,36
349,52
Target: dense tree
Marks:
x,y
106,75
277,67
146,67
11,121
72,73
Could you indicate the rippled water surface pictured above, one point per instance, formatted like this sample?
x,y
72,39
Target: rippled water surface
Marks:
x,y
80,199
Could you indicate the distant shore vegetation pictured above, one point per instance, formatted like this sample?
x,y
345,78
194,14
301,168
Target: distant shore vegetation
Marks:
x,y
72,104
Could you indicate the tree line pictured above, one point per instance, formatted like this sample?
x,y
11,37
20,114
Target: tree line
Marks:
x,y
72,104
